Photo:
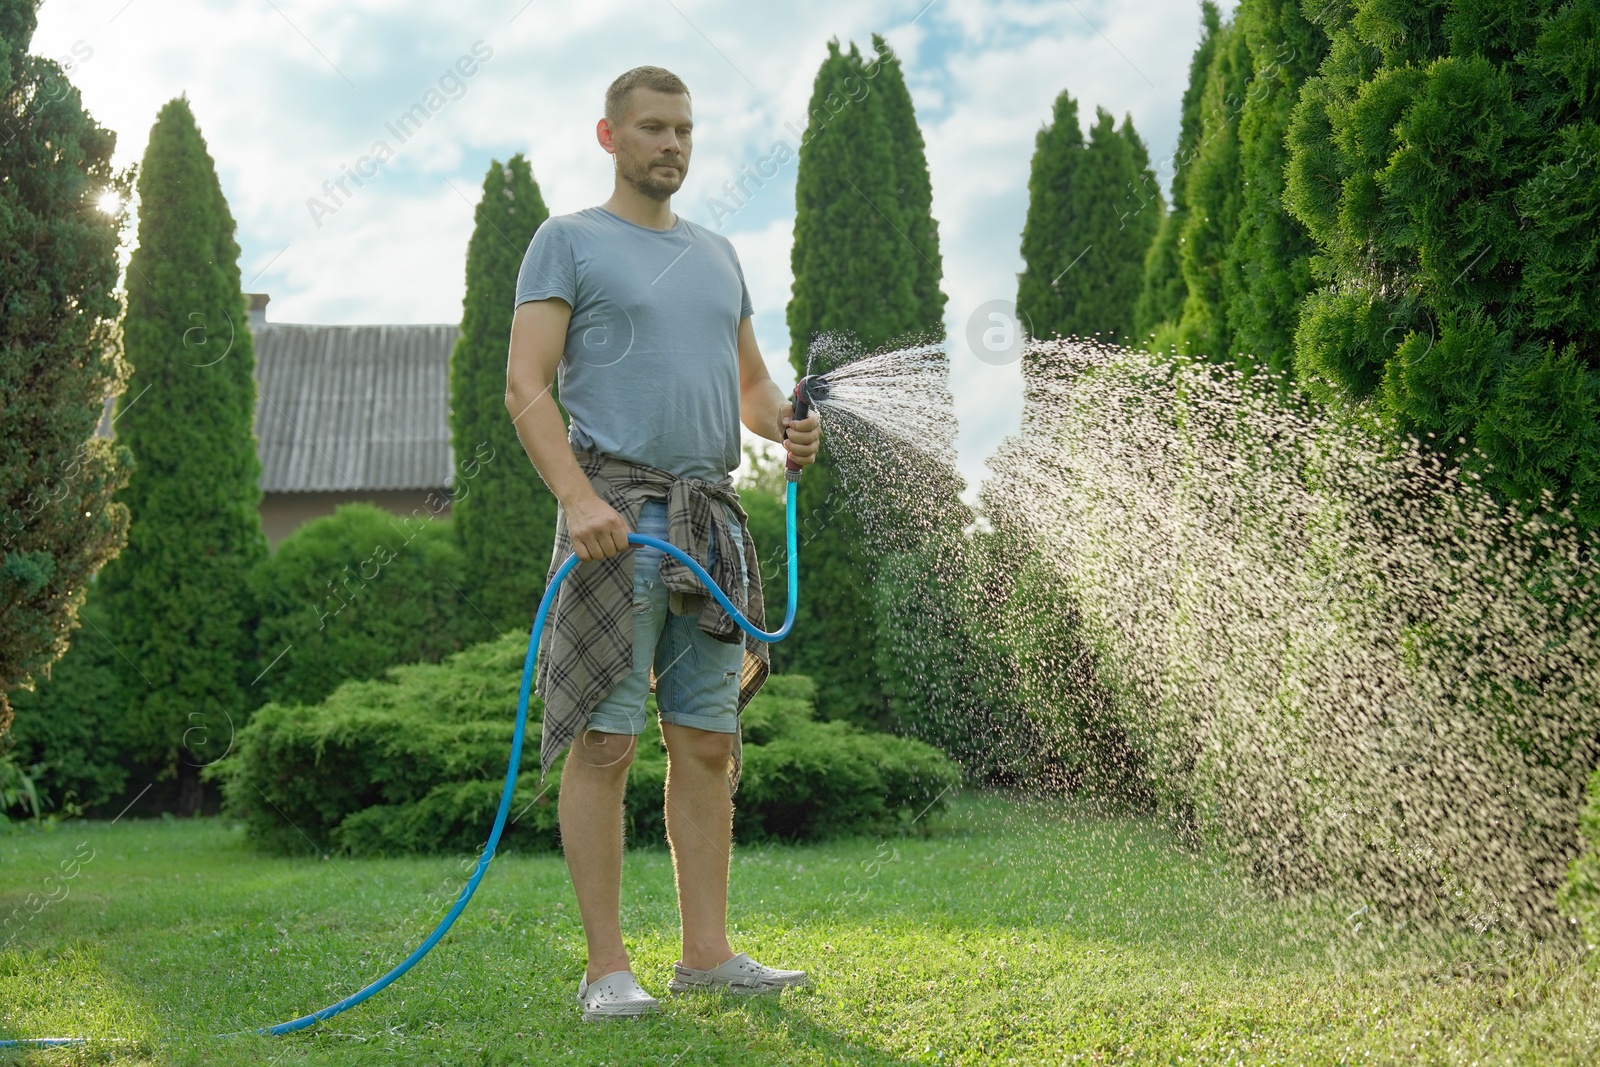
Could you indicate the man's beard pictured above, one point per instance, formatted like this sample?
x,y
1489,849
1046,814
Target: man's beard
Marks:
x,y
655,188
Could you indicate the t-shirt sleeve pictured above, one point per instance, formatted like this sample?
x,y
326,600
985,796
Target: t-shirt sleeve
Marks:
x,y
746,309
548,268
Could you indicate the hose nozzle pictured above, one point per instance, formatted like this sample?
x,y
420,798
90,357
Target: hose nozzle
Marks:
x,y
807,391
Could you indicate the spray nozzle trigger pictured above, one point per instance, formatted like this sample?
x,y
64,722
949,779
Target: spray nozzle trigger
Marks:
x,y
807,391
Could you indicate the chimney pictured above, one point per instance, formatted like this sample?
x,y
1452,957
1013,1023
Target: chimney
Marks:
x,y
258,309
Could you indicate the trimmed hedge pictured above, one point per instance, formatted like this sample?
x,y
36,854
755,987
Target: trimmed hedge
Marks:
x,y
354,593
415,762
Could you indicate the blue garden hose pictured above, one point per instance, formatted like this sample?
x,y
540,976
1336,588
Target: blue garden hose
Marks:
x,y
516,757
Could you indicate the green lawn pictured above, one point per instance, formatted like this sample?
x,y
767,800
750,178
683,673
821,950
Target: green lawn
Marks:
x,y
1008,933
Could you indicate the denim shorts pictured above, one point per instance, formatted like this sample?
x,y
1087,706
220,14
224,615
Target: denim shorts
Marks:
x,y
697,676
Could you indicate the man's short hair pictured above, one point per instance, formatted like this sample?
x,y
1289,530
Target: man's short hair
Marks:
x,y
658,78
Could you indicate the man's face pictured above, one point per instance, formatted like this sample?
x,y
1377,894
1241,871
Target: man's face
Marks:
x,y
652,142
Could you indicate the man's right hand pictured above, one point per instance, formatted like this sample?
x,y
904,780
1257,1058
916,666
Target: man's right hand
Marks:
x,y
596,529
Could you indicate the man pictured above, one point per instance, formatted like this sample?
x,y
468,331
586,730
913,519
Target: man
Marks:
x,y
644,320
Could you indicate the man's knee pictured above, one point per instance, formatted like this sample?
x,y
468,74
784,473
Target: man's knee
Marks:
x,y
599,753
707,748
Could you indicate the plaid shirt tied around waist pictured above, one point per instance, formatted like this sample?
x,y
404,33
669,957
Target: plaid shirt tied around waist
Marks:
x,y
587,645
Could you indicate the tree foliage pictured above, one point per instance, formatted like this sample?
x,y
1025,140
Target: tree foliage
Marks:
x,y
855,270
914,188
1093,210
1270,254
1215,191
60,355
504,515
72,728
1444,162
1162,292
178,596
864,242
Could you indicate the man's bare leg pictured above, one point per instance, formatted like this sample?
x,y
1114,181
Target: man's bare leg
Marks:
x,y
590,809
700,830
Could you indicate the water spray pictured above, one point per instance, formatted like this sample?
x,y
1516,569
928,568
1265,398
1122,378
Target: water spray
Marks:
x,y
809,390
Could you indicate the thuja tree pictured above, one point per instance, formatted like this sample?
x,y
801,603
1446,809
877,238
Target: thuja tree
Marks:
x,y
1215,192
178,596
1270,254
915,188
863,239
60,355
1093,209
1446,161
504,514
1162,292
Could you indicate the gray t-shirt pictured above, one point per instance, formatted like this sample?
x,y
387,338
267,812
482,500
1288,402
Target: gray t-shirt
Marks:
x,y
650,373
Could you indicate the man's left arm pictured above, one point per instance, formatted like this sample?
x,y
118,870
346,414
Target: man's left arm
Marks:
x,y
765,410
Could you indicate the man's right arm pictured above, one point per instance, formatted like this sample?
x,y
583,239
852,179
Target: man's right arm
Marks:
x,y
538,339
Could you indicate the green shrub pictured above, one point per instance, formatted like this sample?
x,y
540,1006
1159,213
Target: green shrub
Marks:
x,y
1580,897
415,762
71,729
353,593
386,756
18,793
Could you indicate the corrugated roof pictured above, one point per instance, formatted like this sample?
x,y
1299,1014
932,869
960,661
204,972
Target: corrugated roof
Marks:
x,y
353,407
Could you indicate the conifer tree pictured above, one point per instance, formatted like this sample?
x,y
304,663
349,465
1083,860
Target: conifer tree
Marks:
x,y
504,515
1444,162
853,268
1093,209
60,355
1139,219
915,191
1162,294
858,271
1215,191
178,595
1270,253
1051,225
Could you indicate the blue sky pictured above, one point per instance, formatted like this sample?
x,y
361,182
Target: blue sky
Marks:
x,y
292,94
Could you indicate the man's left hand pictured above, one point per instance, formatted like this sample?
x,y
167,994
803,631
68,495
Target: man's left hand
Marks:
x,y
801,436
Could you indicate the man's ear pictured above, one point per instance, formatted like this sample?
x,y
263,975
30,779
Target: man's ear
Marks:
x,y
602,133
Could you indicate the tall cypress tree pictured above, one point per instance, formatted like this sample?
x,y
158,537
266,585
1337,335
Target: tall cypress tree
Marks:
x,y
504,515
1270,255
178,596
60,355
1215,192
1444,161
1163,291
1093,209
915,188
1051,226
857,271
1139,219
853,266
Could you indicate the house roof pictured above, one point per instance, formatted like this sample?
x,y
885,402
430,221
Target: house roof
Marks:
x,y
353,407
